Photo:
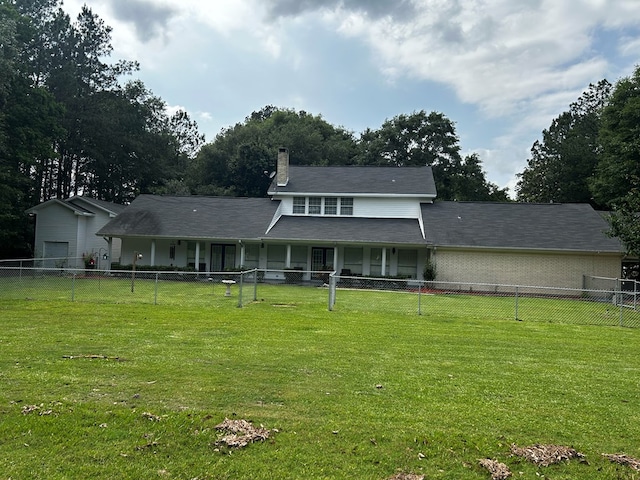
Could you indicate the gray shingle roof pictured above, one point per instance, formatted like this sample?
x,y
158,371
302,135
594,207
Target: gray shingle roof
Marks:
x,y
81,205
352,180
348,229
193,217
574,227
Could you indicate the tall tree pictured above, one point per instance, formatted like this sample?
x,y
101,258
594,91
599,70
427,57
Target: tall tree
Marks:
x,y
563,162
68,126
236,161
428,139
625,220
618,169
473,185
616,182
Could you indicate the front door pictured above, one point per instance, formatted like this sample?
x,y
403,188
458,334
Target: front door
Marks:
x,y
321,258
223,257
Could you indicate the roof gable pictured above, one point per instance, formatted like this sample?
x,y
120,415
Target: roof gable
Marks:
x,y
80,206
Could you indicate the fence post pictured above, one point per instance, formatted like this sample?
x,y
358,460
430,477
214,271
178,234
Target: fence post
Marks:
x,y
240,289
73,287
155,294
516,303
419,297
332,293
255,284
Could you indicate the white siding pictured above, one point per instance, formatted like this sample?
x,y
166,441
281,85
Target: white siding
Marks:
x,y
371,207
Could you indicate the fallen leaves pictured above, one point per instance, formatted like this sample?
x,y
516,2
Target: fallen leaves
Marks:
x,y
623,459
498,471
240,433
406,476
151,416
91,356
545,455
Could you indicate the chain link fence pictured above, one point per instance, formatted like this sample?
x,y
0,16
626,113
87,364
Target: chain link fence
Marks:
x,y
601,301
599,306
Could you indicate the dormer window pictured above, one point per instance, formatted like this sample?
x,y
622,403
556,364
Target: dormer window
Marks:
x,y
346,206
315,205
323,206
300,205
330,206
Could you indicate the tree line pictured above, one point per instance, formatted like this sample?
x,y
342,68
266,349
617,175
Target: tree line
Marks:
x,y
70,125
74,123
591,153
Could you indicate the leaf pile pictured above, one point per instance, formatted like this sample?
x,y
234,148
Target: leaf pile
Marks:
x,y
545,455
623,460
240,433
406,476
498,471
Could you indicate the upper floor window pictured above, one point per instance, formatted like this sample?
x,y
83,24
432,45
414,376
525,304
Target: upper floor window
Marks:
x,y
330,206
346,206
315,204
299,205
322,205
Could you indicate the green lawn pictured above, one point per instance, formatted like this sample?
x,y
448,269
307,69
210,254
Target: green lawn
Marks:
x,y
354,393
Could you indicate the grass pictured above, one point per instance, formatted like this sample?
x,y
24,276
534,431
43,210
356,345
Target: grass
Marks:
x,y
455,388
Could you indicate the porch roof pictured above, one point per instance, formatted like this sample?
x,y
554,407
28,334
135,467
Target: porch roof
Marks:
x,y
193,217
347,229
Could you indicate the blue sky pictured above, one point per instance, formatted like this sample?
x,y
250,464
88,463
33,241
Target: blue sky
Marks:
x,y
501,70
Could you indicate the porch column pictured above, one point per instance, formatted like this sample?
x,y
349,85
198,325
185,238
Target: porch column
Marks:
x,y
383,272
152,260
197,256
242,253
109,248
287,261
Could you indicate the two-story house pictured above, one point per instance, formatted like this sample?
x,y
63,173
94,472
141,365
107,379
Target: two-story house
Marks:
x,y
370,221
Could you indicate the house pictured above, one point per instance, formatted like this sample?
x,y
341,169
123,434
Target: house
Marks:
x,y
65,231
370,221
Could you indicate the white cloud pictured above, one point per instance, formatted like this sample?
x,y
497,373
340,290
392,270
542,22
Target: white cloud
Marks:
x,y
513,64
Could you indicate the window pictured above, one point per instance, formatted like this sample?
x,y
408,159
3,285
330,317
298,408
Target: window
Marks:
x,y
251,255
276,256
407,262
330,206
353,259
376,262
346,206
299,205
299,256
314,205
322,205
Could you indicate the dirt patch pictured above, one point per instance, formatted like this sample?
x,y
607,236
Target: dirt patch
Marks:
x,y
545,455
498,471
240,433
406,476
622,459
92,357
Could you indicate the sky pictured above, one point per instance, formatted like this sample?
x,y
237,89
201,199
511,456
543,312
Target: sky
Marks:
x,y
501,70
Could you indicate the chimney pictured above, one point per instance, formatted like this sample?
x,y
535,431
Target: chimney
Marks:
x,y
282,172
